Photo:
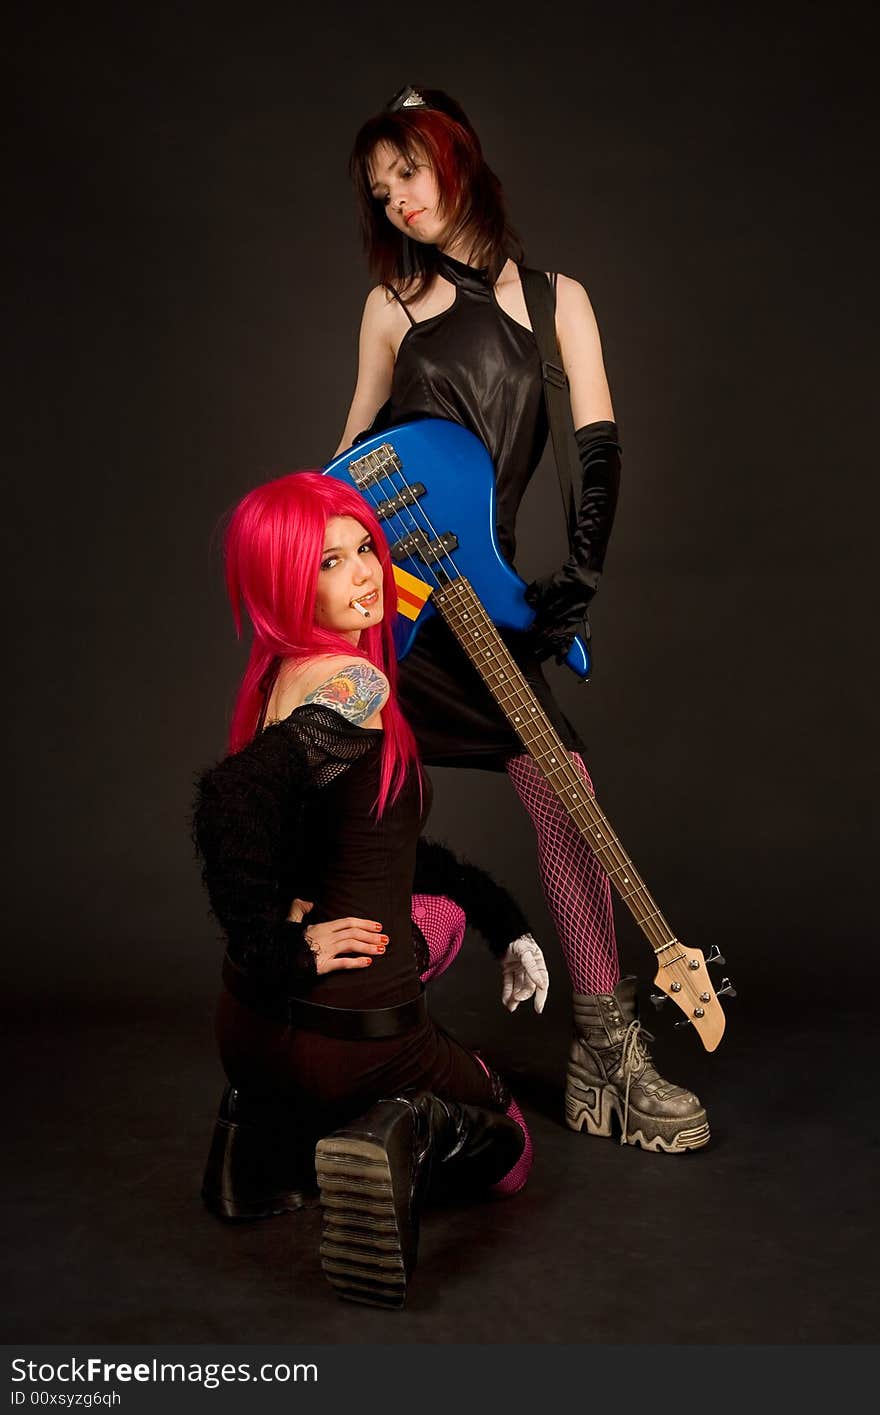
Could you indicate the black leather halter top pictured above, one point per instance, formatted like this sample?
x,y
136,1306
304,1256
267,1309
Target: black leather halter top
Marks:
x,y
475,365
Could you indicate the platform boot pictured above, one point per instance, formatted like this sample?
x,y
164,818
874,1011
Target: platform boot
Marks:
x,y
611,1077
261,1160
375,1173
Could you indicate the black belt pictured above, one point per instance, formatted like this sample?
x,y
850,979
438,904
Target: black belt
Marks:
x,y
348,1023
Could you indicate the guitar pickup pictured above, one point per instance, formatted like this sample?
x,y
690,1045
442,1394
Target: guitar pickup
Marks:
x,y
430,551
379,463
408,497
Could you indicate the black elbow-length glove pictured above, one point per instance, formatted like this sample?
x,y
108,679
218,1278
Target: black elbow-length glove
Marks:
x,y
561,599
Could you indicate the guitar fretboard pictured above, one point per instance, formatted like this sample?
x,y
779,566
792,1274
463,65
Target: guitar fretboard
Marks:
x,y
458,605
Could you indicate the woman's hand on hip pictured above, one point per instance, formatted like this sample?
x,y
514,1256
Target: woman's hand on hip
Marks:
x,y
334,943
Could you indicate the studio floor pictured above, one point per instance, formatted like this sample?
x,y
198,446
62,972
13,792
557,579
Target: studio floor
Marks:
x,y
766,1236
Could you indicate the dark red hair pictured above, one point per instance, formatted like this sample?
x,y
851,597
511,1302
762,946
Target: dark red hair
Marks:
x,y
273,546
470,193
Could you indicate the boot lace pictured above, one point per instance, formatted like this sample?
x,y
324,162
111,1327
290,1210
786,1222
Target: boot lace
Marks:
x,y
634,1057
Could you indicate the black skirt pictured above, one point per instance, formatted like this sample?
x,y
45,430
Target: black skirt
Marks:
x,y
453,714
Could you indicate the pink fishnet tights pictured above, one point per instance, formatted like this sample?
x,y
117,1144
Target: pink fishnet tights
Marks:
x,y
443,924
576,887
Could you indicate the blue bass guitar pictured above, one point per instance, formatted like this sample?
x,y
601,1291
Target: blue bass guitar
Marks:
x,y
431,485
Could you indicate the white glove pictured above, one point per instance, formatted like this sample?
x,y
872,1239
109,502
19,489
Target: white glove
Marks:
x,y
524,974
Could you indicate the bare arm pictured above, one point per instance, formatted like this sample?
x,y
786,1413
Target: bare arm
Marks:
x,y
375,365
581,350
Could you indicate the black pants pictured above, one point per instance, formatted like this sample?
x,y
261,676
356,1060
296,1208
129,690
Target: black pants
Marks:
x,y
331,1081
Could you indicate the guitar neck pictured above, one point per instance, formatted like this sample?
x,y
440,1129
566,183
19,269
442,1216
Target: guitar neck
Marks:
x,y
459,607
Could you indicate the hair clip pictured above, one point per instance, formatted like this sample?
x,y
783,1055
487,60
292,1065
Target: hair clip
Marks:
x,y
407,97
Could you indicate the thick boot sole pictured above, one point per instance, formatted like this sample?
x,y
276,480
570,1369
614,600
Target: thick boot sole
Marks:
x,y
245,1179
361,1246
595,1108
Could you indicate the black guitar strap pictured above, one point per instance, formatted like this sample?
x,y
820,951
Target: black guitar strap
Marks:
x,y
540,300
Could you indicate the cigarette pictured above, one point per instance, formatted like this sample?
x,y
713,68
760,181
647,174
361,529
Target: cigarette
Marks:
x,y
360,609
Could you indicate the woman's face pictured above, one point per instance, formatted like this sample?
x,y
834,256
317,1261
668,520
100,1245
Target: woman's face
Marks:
x,y
409,192
350,576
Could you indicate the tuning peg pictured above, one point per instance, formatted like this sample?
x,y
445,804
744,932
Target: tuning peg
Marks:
x,y
658,999
726,989
714,955
685,1023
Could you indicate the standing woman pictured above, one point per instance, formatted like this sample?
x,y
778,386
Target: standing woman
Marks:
x,y
445,333
308,833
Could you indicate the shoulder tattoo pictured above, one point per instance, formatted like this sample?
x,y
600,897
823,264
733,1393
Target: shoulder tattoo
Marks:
x,y
356,691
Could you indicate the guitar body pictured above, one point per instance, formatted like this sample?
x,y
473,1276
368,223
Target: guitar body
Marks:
x,y
458,497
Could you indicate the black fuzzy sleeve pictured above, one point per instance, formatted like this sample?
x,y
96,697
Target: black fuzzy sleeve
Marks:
x,y
489,907
247,828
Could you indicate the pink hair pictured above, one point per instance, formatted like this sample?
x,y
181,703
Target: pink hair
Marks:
x,y
273,547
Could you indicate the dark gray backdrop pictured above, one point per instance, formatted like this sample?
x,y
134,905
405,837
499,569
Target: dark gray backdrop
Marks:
x,y
183,321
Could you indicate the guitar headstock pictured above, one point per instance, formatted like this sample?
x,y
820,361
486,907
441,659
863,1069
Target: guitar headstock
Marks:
x,y
684,978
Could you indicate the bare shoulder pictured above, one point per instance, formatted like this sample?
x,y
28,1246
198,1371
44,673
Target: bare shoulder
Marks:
x,y
353,687
572,301
378,300
350,686
380,308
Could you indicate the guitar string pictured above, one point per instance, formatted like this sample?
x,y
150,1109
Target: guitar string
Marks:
x,y
651,922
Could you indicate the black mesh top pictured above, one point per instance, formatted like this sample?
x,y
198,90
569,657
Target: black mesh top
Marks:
x,y
475,365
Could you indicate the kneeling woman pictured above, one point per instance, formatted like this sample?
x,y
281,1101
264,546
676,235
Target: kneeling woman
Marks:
x,y
308,834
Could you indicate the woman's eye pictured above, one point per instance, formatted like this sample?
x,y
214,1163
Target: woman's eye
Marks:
x,y
367,547
328,563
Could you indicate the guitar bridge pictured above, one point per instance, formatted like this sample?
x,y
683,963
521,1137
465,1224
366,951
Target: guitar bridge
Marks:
x,y
430,551
379,463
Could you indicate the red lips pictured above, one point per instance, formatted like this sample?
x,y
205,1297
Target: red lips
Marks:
x,y
411,216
